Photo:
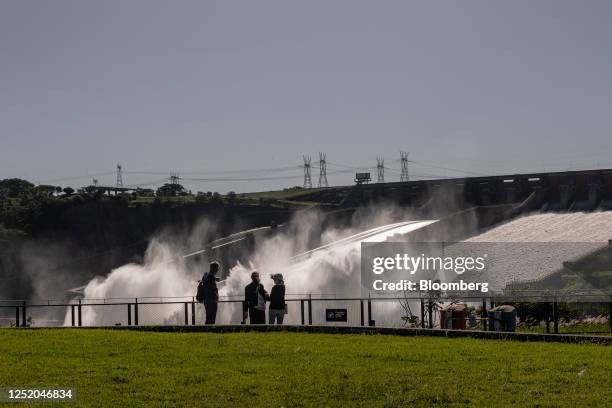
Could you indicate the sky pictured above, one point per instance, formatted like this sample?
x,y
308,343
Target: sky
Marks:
x,y
243,89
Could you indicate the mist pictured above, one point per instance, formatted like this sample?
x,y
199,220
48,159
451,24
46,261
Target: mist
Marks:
x,y
331,270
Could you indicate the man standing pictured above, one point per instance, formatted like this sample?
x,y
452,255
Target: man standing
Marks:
x,y
255,297
211,293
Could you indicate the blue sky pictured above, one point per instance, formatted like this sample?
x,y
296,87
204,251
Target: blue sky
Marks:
x,y
200,87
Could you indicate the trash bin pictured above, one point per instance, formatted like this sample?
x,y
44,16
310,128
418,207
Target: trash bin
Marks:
x,y
453,317
502,318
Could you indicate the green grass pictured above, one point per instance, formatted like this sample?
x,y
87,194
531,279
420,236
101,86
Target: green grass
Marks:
x,y
131,368
599,329
282,194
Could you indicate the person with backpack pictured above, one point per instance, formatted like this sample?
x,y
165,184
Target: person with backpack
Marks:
x,y
208,293
255,297
276,313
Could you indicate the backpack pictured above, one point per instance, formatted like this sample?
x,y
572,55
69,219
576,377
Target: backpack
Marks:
x,y
201,291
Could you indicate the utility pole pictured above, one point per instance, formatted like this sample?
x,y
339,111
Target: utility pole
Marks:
x,y
380,166
404,159
119,177
322,171
307,178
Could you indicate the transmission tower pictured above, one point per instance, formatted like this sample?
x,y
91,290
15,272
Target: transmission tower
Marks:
x,y
119,177
404,160
322,171
307,178
380,166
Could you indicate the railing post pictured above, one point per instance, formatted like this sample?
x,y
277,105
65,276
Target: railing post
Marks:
x,y
310,309
129,314
80,322
610,315
370,320
136,312
485,318
422,314
362,312
186,313
16,316
430,313
23,318
193,319
547,316
555,317
302,311
72,315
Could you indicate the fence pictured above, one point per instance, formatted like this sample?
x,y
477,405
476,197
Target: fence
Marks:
x,y
534,313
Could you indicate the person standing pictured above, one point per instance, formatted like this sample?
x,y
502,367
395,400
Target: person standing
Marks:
x,y
277,300
255,297
211,293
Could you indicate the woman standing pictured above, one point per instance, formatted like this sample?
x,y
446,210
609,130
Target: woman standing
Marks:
x,y
277,300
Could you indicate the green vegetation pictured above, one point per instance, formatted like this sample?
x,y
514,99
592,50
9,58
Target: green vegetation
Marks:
x,y
131,368
285,194
600,329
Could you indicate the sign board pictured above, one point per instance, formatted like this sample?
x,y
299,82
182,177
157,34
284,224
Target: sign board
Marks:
x,y
361,178
336,315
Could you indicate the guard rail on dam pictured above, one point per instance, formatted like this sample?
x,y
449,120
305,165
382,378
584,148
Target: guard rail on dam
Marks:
x,y
554,191
581,312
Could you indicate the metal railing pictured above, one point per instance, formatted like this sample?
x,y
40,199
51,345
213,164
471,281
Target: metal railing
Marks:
x,y
537,313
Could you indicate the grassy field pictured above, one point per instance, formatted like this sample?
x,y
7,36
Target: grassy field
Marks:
x,y
130,368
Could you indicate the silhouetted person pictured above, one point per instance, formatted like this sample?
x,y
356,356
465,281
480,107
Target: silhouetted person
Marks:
x,y
211,293
276,312
255,297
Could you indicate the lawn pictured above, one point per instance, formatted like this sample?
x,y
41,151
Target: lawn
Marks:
x,y
131,368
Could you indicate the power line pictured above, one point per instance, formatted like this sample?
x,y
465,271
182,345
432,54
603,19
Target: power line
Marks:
x,y
85,176
251,171
447,168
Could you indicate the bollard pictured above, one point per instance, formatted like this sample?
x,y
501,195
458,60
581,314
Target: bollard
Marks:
x,y
370,320
23,318
16,316
430,314
186,313
193,313
129,314
72,315
302,310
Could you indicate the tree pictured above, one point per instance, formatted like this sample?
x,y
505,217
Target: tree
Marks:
x,y
45,190
231,197
170,190
15,187
68,190
216,198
